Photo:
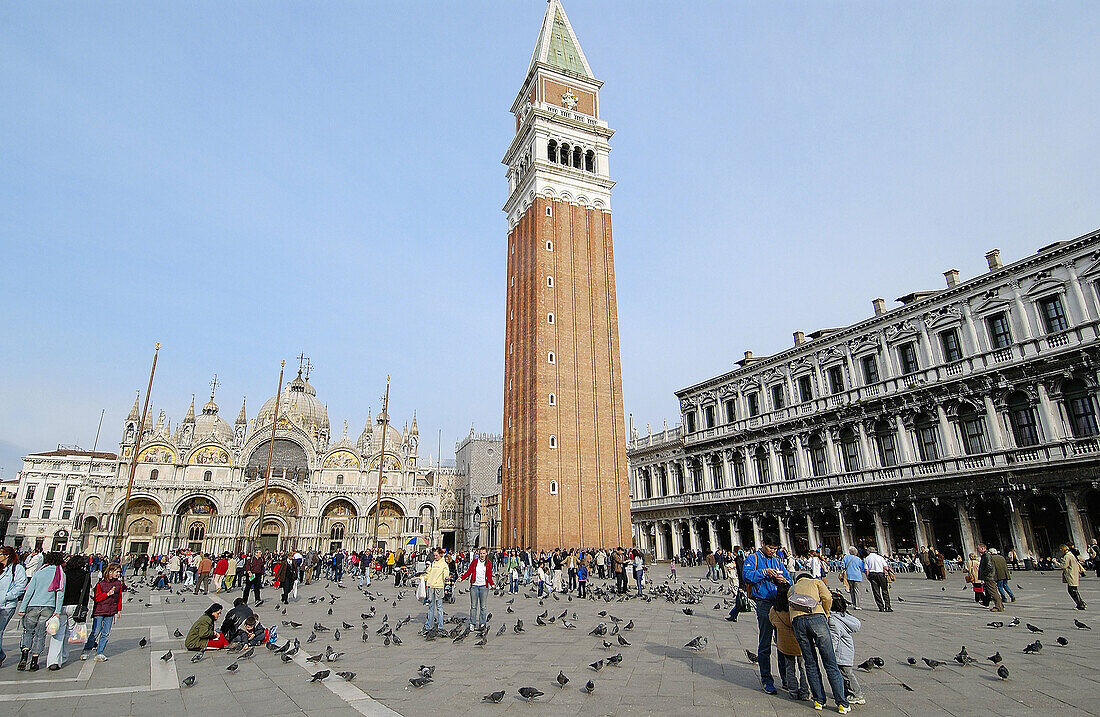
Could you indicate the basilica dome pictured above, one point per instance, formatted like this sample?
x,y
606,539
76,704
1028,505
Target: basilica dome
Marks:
x,y
370,440
299,404
209,423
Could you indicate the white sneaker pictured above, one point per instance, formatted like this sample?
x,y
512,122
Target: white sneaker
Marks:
x,y
83,656
100,658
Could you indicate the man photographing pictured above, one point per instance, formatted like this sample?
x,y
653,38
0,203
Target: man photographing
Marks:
x,y
764,571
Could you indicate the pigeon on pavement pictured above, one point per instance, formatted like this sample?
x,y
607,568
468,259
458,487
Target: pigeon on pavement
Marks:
x,y
494,697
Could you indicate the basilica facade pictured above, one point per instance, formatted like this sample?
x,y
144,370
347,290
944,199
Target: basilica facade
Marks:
x,y
201,486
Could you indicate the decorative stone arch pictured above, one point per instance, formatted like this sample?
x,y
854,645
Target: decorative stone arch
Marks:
x,y
427,512
391,523
293,457
183,502
341,458
260,438
158,452
139,496
330,507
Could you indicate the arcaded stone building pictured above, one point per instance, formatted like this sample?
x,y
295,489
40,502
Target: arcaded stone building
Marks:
x,y
565,472
965,414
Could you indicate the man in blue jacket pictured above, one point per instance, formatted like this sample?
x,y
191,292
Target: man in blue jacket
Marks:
x,y
763,572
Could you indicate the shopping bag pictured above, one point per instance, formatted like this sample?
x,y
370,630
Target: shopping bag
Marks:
x,y
421,589
79,633
53,625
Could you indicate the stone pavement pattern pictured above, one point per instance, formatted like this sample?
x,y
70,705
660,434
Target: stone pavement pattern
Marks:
x,y
657,675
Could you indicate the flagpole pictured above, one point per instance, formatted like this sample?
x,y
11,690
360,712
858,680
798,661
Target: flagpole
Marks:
x,y
134,457
381,461
270,455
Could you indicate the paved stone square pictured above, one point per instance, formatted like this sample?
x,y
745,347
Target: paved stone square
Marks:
x,y
657,675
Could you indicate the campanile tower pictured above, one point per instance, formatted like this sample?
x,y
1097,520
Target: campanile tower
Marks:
x,y
565,474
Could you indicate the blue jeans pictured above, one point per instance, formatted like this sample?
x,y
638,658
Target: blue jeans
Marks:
x,y
101,629
34,628
764,648
815,640
1002,587
479,596
514,585
435,609
5,618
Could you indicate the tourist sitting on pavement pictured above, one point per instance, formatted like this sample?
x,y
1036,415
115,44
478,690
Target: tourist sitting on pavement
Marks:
x,y
235,618
202,635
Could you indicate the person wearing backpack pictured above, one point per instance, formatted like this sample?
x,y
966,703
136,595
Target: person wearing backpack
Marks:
x,y
810,603
763,573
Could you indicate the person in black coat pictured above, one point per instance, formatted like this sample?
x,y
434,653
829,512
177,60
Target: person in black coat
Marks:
x,y
74,609
288,575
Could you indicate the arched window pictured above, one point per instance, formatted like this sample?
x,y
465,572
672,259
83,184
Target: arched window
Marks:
x,y
849,449
553,487
885,444
553,441
336,537
818,463
564,154
590,161
578,157
550,281
549,244
1021,416
550,357
662,481
681,488
763,469
717,477
972,430
1080,408
196,532
154,474
789,465
500,475
549,318
552,149
927,430
208,476
340,479
553,400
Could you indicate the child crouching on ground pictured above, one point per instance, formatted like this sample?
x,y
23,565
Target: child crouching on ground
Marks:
x,y
794,677
843,626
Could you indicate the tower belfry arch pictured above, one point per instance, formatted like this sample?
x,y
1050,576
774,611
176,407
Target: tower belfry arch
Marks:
x,y
564,480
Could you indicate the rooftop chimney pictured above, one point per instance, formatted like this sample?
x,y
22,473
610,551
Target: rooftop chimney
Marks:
x,y
748,355
952,276
799,338
880,306
993,258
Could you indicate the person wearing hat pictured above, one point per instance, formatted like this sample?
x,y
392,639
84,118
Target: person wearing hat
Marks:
x,y
764,572
810,602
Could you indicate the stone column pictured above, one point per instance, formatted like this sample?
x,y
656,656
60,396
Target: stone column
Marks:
x,y
869,459
885,544
920,535
845,535
831,457
996,433
950,442
906,454
735,539
757,534
784,536
886,367
659,541
693,533
811,532
677,537
1079,308
971,333
1049,415
925,347
773,464
1023,321
1076,524
712,534
1017,529
966,530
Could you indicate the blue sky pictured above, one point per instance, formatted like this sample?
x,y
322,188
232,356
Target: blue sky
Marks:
x,y
246,181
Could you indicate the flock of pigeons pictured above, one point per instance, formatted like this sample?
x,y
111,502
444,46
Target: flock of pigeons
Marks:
x,y
609,625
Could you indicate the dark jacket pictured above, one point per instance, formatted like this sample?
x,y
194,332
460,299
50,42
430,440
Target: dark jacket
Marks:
x,y
986,571
234,619
107,604
77,586
1000,567
288,573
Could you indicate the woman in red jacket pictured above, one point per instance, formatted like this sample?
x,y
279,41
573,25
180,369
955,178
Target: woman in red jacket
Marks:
x,y
480,573
108,604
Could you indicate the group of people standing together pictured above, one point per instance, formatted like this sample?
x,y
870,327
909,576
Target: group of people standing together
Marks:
x,y
54,597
